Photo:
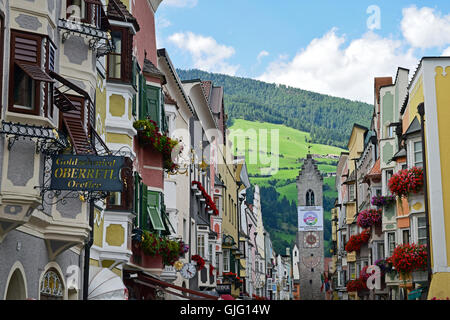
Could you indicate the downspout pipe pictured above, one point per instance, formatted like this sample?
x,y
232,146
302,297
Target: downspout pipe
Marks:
x,y
421,111
87,251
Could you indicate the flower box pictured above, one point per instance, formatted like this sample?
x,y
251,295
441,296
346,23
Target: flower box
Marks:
x,y
356,241
409,257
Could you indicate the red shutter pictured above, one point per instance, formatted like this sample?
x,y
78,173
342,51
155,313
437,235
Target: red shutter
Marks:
x,y
73,121
26,47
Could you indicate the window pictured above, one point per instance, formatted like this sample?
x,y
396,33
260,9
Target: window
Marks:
x,y
201,245
310,198
352,271
120,60
378,192
226,260
389,174
51,286
380,250
421,230
391,131
26,73
124,200
351,192
391,242
418,161
405,236
210,253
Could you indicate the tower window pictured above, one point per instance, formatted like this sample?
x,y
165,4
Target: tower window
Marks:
x,y
310,198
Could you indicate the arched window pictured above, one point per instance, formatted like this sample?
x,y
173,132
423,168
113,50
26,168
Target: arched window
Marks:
x,y
52,286
310,198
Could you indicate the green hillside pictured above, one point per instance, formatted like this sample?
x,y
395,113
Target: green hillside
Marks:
x,y
327,119
278,190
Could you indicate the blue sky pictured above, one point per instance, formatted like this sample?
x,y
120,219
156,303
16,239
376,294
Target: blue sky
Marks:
x,y
327,46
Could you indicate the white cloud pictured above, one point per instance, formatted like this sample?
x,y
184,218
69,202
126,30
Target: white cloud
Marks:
x,y
162,22
327,66
261,55
206,53
425,28
180,3
446,52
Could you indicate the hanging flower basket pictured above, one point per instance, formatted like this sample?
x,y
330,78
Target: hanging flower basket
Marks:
x,y
383,201
356,241
368,218
406,181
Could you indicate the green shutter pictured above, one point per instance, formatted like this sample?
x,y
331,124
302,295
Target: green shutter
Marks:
x,y
133,110
154,210
142,98
144,214
135,72
165,127
232,263
153,104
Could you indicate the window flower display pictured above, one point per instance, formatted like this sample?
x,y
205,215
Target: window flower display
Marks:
x,y
406,181
148,134
199,260
169,250
383,201
356,241
210,205
368,218
409,257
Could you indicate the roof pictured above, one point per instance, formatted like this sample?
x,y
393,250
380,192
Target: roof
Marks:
x,y
168,99
118,11
400,154
414,127
206,85
380,82
216,99
375,172
152,70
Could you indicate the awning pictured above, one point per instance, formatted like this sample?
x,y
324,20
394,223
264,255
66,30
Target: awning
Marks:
x,y
105,285
226,297
170,288
35,72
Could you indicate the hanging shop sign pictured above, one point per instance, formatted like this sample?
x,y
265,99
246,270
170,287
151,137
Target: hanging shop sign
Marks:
x,y
223,288
86,173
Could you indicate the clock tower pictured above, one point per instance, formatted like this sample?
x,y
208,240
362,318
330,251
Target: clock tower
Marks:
x,y
310,231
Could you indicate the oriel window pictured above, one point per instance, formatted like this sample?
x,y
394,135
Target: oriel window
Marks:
x,y
120,60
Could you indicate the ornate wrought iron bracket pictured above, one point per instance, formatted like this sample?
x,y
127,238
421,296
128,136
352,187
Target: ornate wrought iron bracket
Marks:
x,y
48,140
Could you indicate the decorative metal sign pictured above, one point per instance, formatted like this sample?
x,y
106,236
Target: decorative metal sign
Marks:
x,y
86,173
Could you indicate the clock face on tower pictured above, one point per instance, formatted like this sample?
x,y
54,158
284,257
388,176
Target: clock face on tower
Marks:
x,y
311,240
